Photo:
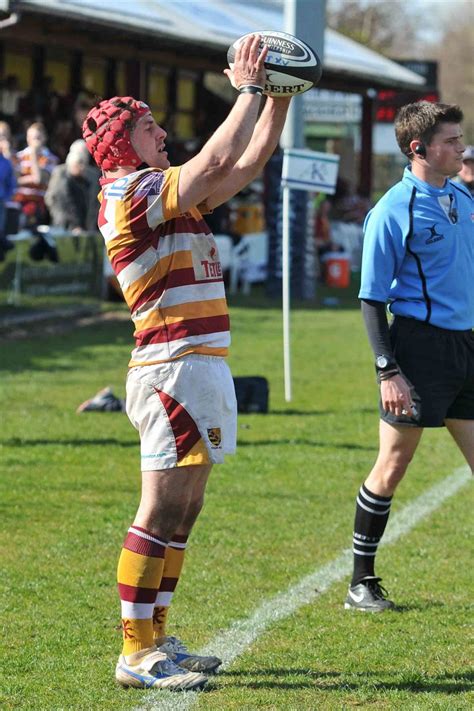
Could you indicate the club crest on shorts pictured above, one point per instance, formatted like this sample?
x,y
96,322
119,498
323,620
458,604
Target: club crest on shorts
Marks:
x,y
215,436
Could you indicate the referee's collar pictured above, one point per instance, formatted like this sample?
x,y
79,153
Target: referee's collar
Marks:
x,y
424,187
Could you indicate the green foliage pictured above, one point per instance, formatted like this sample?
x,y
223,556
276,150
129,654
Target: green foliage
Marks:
x,y
279,509
382,26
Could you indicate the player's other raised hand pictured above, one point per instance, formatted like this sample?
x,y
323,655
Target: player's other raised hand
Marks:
x,y
248,66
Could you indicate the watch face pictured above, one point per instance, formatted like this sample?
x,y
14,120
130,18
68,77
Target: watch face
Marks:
x,y
381,362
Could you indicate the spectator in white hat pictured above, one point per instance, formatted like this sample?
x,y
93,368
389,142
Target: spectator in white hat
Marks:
x,y
466,174
71,196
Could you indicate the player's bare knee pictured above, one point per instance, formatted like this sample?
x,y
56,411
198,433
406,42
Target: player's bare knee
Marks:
x,y
193,511
165,521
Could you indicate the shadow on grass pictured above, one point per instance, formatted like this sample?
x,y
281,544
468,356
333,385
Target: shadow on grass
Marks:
x,y
20,442
421,606
64,352
289,413
361,681
306,443
317,413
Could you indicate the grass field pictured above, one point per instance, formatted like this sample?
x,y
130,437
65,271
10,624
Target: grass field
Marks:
x,y
279,510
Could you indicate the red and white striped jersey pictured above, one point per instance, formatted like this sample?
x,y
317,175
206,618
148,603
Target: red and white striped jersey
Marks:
x,y
32,192
167,265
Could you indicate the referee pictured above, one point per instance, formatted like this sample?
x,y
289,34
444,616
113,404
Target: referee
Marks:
x,y
418,258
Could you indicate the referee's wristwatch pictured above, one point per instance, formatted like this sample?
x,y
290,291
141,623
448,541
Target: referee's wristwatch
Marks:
x,y
386,367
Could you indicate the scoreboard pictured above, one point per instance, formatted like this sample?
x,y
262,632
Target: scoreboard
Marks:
x,y
388,101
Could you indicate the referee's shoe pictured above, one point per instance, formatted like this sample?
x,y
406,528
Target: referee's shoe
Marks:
x,y
368,596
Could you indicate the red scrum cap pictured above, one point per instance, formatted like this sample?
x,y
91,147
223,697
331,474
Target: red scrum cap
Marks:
x,y
106,131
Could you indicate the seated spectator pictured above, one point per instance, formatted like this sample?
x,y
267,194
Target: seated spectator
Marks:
x,y
347,205
338,223
33,166
71,196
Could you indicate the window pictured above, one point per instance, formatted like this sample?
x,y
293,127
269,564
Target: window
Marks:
x,y
185,104
57,67
93,75
19,64
157,92
120,79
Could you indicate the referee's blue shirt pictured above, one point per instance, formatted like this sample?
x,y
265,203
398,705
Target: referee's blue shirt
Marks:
x,y
418,253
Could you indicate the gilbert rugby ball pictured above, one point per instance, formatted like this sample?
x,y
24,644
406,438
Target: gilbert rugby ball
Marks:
x,y
292,66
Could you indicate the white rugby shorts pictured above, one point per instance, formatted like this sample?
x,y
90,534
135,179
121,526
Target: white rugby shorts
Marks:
x,y
185,411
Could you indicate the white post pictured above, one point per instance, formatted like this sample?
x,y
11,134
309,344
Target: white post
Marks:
x,y
286,291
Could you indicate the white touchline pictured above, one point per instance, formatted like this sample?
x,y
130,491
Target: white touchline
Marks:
x,y
241,634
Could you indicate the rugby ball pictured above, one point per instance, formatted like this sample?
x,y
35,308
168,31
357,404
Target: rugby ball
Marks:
x,y
292,66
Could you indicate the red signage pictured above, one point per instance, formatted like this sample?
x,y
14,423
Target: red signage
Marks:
x,y
388,103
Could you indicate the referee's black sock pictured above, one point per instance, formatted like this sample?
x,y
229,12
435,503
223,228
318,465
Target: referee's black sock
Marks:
x,y
372,512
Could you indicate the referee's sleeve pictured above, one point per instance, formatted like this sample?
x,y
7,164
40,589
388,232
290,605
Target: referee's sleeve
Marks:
x,y
382,254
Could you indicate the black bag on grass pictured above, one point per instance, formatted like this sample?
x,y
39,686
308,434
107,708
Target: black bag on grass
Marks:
x,y
252,394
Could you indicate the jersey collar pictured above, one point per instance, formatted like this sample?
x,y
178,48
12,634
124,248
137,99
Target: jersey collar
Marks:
x,y
423,187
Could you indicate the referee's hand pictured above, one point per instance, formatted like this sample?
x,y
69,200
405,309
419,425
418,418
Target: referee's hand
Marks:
x,y
396,396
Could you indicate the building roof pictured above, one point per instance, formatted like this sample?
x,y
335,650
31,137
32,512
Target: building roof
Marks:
x,y
215,24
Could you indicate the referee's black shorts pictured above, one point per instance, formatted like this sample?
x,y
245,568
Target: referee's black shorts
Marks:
x,y
439,364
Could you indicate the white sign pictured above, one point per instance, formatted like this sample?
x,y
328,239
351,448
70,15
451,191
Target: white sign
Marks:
x,y
325,106
309,170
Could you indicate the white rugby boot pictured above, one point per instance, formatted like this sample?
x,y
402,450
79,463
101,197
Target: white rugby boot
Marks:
x,y
153,669
179,654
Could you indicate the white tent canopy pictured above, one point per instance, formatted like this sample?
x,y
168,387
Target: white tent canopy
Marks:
x,y
217,23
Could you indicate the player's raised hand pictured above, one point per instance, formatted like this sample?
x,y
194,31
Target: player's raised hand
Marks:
x,y
248,66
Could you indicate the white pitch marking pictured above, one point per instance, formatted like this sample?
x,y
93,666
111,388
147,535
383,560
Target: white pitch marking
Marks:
x,y
241,634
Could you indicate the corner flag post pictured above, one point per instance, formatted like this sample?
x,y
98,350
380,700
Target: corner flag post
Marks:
x,y
312,172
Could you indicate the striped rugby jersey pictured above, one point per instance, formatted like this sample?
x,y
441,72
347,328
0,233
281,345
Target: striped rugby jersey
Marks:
x,y
167,265
31,192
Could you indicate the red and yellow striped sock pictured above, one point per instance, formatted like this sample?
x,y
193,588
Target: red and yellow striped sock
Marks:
x,y
174,559
139,573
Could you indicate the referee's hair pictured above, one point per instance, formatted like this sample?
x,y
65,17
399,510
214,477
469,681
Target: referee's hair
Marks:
x,y
421,121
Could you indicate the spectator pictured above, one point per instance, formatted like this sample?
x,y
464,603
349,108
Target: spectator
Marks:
x,y
339,222
34,165
11,208
347,205
67,195
70,129
466,174
322,228
71,197
6,146
7,186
